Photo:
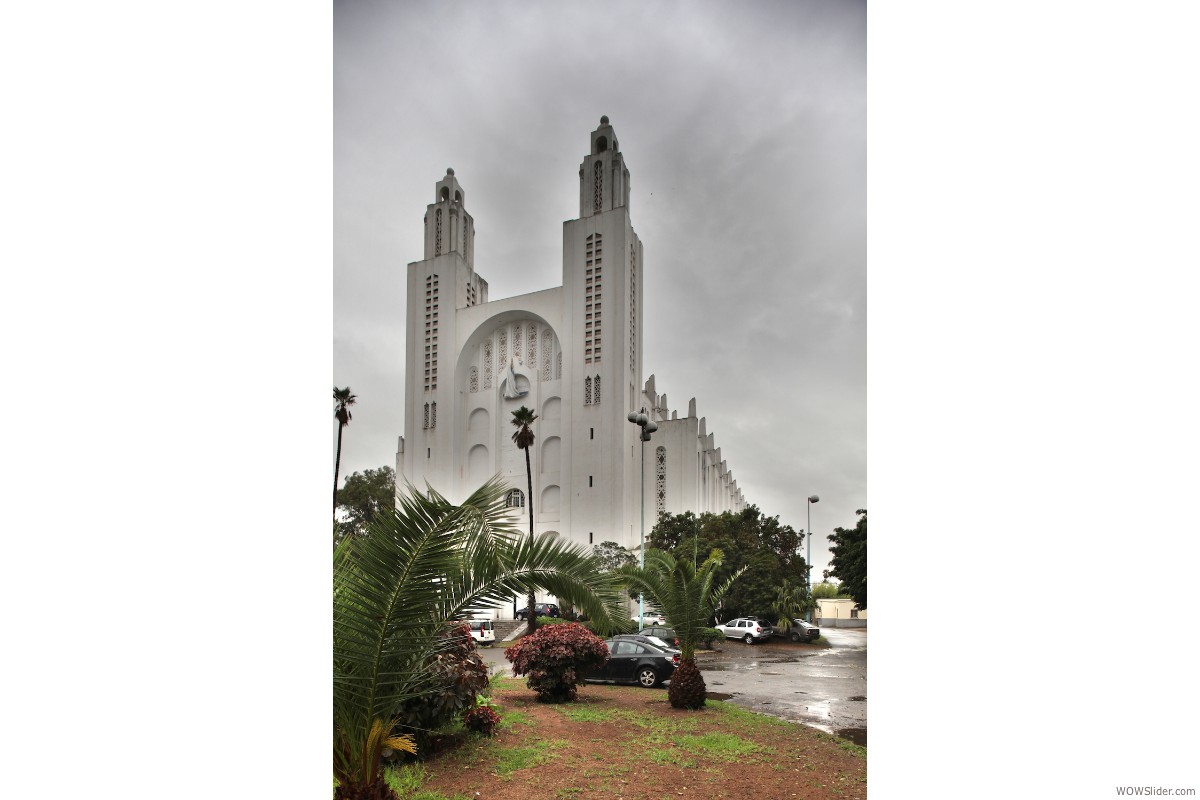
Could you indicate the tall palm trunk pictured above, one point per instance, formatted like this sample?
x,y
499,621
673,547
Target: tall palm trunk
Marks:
x,y
337,466
532,615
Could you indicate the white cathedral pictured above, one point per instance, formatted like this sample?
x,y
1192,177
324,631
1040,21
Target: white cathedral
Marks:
x,y
573,354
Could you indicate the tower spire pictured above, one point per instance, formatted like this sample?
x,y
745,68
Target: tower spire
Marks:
x,y
448,226
603,176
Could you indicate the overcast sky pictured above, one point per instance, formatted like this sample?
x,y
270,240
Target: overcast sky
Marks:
x,y
744,131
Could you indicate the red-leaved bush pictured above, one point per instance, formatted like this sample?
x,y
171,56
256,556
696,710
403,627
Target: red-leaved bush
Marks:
x,y
556,658
481,719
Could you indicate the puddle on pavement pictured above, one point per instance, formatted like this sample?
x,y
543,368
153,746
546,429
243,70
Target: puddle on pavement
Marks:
x,y
821,708
861,697
717,696
856,735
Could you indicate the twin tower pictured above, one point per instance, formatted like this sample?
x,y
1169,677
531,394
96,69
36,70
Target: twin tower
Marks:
x,y
572,354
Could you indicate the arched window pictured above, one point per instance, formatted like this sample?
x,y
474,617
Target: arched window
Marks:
x,y
515,499
596,391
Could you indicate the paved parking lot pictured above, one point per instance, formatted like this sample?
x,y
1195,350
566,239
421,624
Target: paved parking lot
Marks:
x,y
825,687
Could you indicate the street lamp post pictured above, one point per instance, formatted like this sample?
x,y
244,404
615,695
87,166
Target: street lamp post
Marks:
x,y
648,426
812,498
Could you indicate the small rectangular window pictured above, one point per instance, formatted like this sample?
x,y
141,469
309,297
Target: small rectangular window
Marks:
x,y
589,537
591,433
427,452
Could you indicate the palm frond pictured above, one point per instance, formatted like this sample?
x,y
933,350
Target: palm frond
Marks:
x,y
683,591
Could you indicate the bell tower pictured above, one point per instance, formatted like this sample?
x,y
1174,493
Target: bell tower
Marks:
x,y
448,226
603,177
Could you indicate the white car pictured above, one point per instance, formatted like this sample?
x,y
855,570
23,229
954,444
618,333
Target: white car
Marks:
x,y
483,631
748,629
651,618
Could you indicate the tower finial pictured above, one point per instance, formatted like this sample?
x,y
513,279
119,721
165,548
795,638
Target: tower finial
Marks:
x,y
449,170
604,120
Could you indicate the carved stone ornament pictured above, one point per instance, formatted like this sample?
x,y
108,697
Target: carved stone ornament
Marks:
x,y
516,381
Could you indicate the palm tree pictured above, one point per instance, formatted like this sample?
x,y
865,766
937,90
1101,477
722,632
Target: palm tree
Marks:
x,y
686,596
791,602
395,591
341,411
522,418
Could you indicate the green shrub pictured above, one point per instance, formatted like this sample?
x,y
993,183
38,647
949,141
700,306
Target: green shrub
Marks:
x,y
710,635
550,621
556,658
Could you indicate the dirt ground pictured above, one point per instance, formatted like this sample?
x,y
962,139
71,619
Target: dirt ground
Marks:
x,y
628,743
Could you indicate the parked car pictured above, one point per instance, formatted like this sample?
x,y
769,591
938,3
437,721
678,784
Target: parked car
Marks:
x,y
651,618
800,631
637,662
483,631
748,629
540,610
662,632
658,642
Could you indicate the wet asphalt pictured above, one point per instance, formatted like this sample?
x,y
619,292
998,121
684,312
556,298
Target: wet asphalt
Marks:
x,y
825,687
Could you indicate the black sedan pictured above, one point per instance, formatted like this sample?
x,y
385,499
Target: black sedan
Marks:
x,y
639,662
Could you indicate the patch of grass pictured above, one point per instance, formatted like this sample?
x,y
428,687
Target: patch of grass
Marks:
x,y
518,758
749,719
723,746
405,779
670,758
585,714
510,718
437,796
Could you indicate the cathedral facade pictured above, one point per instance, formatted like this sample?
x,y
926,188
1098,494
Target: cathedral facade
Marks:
x,y
572,353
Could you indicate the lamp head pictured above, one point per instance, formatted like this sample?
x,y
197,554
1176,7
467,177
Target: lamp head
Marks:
x,y
813,498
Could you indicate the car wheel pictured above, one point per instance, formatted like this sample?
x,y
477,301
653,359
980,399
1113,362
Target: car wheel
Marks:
x,y
795,637
647,677
748,639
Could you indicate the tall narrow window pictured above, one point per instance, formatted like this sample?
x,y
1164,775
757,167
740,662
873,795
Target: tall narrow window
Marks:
x,y
660,480
473,380
546,346
587,391
487,364
437,233
433,415
598,185
596,391
427,416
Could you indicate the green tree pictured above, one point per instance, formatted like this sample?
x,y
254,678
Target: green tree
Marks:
x,y
848,558
828,591
768,549
687,595
613,556
395,592
364,496
522,418
342,399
